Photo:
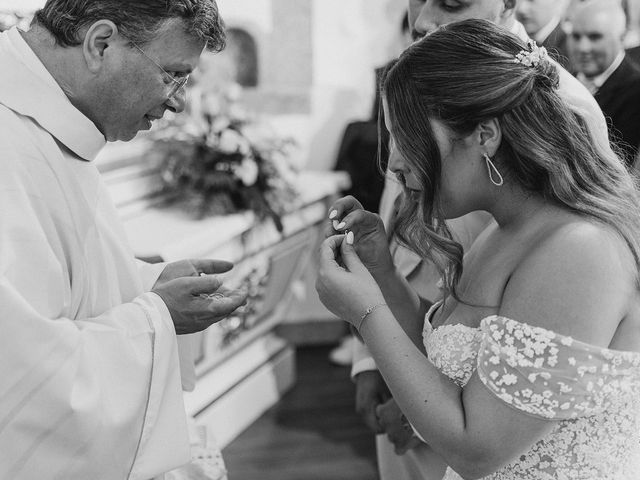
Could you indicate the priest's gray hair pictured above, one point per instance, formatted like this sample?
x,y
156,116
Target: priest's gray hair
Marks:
x,y
138,20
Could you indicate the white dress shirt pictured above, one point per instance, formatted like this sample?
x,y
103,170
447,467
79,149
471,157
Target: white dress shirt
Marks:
x,y
593,84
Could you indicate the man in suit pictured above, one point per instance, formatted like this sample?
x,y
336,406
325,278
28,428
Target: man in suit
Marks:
x,y
597,53
543,21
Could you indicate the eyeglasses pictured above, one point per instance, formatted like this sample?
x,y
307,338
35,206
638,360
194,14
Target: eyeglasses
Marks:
x,y
177,84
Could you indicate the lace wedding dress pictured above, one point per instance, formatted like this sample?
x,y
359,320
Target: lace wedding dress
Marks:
x,y
594,393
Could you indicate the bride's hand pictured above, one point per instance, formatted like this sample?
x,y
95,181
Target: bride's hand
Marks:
x,y
344,284
370,238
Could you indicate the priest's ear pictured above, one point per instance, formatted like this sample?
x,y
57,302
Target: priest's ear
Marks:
x,y
99,37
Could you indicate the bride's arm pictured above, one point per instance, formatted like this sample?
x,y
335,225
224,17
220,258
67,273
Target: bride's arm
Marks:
x,y
575,284
372,245
406,306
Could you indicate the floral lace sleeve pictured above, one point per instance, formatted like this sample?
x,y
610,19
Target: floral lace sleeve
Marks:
x,y
549,375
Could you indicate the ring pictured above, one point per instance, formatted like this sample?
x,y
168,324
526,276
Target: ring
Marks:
x,y
212,296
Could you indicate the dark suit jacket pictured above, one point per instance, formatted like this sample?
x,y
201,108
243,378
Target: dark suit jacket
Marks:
x,y
556,45
358,156
634,54
619,98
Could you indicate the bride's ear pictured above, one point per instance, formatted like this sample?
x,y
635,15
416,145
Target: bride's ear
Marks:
x,y
488,134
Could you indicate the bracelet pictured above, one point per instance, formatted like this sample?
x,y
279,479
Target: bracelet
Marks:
x,y
367,312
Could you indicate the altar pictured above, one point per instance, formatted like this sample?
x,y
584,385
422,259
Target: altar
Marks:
x,y
243,367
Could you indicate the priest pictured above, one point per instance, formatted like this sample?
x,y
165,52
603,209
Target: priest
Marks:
x,y
90,377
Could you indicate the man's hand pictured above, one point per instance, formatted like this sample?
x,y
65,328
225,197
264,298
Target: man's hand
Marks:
x,y
192,268
197,301
371,391
395,425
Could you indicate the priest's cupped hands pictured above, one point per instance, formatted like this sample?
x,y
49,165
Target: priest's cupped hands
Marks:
x,y
195,295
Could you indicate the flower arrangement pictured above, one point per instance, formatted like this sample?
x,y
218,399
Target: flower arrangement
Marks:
x,y
217,160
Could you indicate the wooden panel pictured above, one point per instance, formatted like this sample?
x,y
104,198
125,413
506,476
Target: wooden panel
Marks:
x,y
312,433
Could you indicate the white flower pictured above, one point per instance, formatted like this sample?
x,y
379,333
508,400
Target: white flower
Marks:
x,y
211,105
230,141
509,379
247,172
234,91
567,341
220,123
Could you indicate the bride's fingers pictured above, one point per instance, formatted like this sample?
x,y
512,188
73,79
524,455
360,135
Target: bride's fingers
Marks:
x,y
356,221
343,206
329,250
350,257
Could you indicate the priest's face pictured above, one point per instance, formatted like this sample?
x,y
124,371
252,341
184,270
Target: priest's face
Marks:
x,y
427,15
144,81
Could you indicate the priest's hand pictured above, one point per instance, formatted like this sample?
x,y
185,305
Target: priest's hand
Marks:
x,y
198,302
370,238
192,268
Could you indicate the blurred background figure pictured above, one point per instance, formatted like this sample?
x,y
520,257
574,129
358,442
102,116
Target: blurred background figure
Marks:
x,y
358,155
597,54
359,146
543,21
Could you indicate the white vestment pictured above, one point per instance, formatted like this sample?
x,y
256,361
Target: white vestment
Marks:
x,y
90,384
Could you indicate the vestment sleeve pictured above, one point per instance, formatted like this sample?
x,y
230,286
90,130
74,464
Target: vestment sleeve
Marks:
x,y
149,273
79,397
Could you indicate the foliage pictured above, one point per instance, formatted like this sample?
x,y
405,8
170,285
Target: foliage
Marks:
x,y
217,160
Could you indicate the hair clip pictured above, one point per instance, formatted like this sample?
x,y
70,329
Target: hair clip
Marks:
x,y
533,56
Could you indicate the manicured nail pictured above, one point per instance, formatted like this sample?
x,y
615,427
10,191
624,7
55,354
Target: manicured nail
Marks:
x,y
335,224
340,226
350,238
333,214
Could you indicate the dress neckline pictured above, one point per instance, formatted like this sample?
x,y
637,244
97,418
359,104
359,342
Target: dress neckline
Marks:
x,y
486,321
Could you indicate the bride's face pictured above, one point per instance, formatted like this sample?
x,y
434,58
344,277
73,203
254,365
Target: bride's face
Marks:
x,y
461,171
460,168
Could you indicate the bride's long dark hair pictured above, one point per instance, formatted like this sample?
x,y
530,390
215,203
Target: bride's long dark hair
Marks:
x,y
466,73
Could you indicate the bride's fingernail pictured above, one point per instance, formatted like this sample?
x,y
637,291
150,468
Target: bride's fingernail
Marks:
x,y
333,214
340,225
336,224
350,238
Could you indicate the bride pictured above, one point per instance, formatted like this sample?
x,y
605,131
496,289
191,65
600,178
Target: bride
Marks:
x,y
529,368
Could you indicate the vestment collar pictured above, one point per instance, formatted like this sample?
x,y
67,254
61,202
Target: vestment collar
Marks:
x,y
27,88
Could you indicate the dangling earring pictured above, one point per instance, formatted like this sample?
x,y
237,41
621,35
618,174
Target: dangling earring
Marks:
x,y
492,168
